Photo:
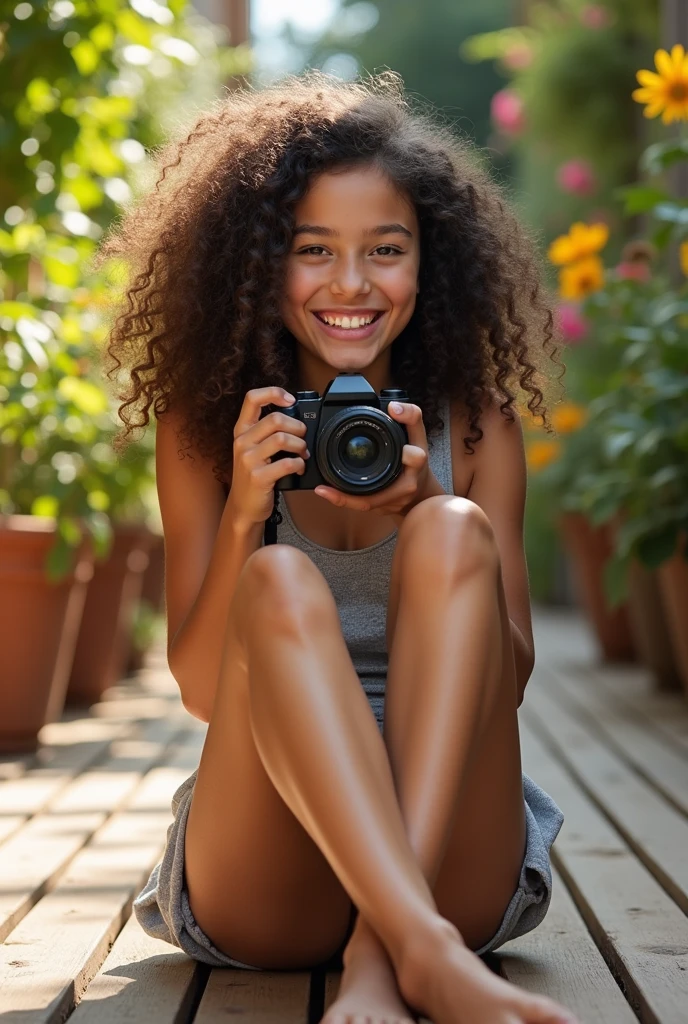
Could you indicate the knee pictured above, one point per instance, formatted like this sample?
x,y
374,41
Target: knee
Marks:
x,y
447,537
281,588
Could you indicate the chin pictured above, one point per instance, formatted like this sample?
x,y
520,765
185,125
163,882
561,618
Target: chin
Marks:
x,y
346,362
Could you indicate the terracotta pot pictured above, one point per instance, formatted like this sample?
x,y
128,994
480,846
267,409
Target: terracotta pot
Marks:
x,y
673,580
651,633
40,625
588,548
104,638
153,592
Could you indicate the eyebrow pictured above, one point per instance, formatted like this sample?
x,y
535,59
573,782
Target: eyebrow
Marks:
x,y
381,229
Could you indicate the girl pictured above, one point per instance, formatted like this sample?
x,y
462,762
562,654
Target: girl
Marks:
x,y
360,788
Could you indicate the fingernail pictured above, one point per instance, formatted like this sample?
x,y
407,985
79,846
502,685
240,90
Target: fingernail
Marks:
x,y
289,398
396,406
308,454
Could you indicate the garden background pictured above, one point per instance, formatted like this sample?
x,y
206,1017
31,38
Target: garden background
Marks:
x,y
580,110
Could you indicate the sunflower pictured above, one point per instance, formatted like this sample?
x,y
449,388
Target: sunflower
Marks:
x,y
568,417
582,240
581,278
665,93
540,453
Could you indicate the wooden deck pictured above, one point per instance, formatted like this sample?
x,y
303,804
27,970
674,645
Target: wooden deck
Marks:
x,y
83,822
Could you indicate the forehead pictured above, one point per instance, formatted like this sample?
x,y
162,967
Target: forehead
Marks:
x,y
355,199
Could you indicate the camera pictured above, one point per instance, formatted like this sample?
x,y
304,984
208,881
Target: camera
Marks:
x,y
355,444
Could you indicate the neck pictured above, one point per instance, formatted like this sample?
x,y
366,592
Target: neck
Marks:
x,y
315,375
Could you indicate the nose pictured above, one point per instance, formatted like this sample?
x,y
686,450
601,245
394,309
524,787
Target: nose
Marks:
x,y
350,278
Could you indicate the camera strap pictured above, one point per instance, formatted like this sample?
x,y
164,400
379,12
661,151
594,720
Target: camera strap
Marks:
x,y
272,522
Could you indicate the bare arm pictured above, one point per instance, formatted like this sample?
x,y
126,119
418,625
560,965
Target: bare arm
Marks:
x,y
208,541
205,550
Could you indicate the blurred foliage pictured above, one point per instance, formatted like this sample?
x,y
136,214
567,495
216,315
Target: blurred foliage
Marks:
x,y
628,462
575,81
86,88
422,41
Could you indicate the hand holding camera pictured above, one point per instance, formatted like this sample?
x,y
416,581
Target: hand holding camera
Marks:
x,y
369,451
256,440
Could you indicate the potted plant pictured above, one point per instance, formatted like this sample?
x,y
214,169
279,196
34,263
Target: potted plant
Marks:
x,y
74,148
641,315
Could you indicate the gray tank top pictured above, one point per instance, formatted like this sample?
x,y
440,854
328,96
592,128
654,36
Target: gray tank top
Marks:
x,y
359,580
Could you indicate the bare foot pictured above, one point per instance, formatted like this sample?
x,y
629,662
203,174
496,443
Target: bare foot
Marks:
x,y
444,981
368,992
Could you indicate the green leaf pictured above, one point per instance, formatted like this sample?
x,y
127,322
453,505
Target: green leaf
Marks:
x,y
45,505
41,95
86,397
658,157
658,547
86,56
615,444
15,310
640,199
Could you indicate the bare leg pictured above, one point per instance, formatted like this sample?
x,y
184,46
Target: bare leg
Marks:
x,y
294,765
452,735
320,747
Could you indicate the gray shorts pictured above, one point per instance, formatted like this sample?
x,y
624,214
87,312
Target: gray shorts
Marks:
x,y
163,911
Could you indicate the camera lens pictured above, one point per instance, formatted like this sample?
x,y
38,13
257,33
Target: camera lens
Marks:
x,y
359,450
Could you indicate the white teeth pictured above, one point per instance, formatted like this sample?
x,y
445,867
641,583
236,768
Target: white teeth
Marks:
x,y
346,322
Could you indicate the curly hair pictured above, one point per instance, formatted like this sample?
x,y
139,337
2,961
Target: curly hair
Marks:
x,y
198,323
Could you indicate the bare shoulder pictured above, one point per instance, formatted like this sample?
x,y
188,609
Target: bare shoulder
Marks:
x,y
500,446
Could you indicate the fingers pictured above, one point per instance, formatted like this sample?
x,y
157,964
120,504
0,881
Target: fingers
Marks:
x,y
414,457
272,423
254,402
412,418
280,441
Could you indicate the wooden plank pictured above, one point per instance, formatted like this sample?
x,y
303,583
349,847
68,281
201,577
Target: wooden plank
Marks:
x,y
258,997
142,980
639,930
628,735
559,959
52,955
656,832
83,742
35,857
632,686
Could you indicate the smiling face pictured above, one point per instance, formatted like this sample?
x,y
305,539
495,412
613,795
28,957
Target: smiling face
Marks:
x,y
354,258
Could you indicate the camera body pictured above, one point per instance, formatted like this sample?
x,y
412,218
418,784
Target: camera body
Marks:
x,y
355,444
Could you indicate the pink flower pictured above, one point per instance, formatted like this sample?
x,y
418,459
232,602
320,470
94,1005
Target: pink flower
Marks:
x,y
595,16
635,270
577,177
506,111
518,56
572,324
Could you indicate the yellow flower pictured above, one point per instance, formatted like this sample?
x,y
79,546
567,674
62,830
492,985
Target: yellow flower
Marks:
x,y
683,257
582,240
540,453
665,93
582,278
568,417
